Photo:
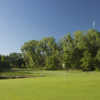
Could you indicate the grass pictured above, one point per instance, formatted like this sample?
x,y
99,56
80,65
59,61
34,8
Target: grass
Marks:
x,y
57,85
14,73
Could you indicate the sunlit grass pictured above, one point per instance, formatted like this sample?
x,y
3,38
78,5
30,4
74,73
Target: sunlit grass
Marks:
x,y
58,85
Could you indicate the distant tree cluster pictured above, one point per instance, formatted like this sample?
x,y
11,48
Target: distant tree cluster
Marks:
x,y
80,51
13,60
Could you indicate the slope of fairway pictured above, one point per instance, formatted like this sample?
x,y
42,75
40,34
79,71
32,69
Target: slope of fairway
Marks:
x,y
57,85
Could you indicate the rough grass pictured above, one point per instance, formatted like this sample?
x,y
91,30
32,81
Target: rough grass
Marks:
x,y
58,85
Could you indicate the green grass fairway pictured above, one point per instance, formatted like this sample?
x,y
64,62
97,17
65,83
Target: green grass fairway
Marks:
x,y
57,85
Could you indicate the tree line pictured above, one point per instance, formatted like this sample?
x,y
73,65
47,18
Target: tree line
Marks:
x,y
80,51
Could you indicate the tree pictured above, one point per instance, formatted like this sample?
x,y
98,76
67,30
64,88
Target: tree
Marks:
x,y
87,61
80,45
97,58
16,60
78,51
50,53
31,52
93,41
4,64
68,51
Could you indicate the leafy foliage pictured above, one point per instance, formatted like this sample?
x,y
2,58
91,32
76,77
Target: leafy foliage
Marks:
x,y
80,50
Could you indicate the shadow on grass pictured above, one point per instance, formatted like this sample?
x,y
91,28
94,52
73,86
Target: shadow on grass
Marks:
x,y
18,77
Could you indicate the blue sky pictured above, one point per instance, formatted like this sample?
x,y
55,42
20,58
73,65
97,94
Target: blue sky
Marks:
x,y
23,20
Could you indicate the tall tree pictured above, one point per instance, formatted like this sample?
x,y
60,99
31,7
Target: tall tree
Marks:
x,y
50,52
68,50
31,53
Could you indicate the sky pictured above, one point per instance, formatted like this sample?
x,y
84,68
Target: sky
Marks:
x,y
24,20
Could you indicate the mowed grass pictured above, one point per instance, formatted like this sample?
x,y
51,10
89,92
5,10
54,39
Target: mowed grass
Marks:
x,y
57,85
